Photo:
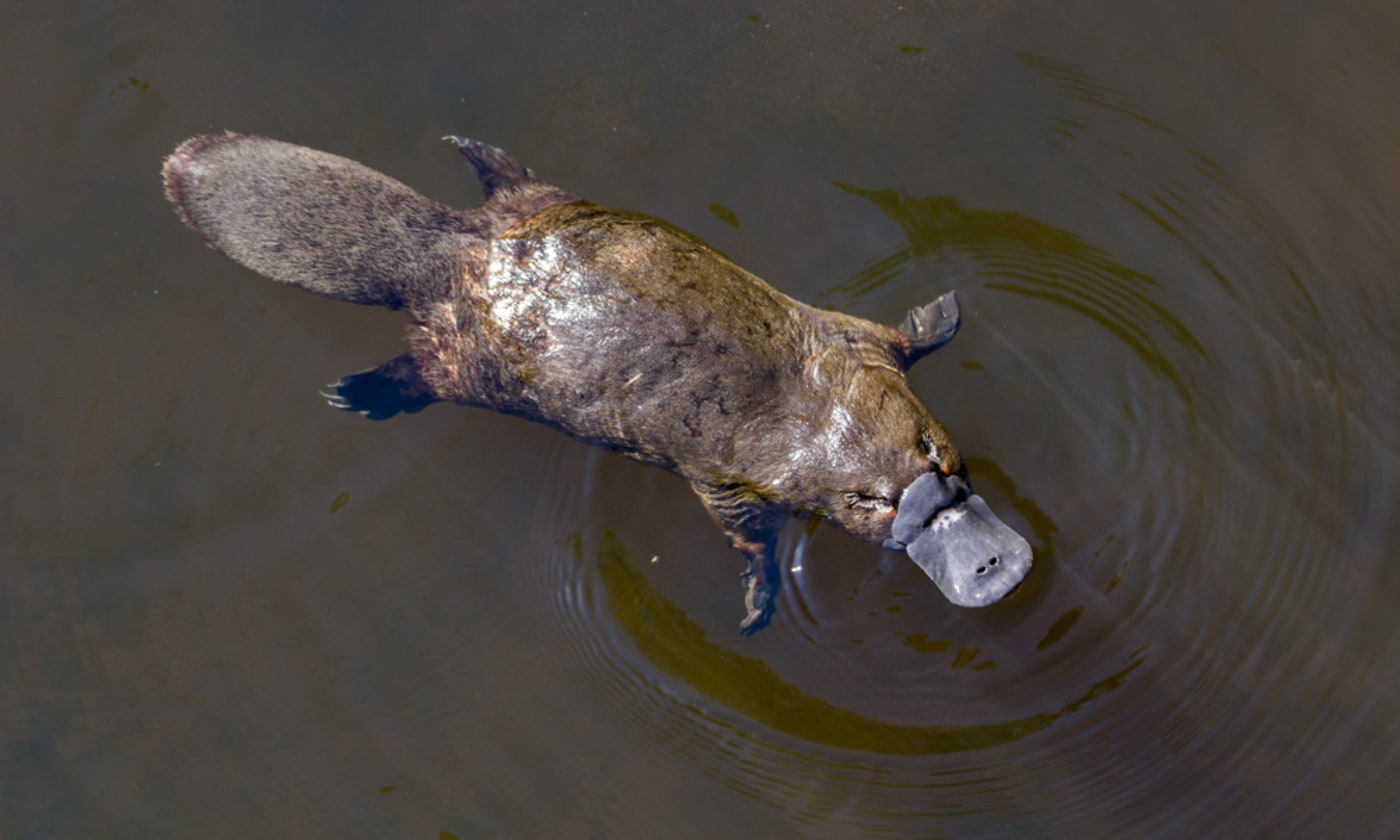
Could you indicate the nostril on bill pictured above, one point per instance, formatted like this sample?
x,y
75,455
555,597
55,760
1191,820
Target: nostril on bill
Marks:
x,y
973,557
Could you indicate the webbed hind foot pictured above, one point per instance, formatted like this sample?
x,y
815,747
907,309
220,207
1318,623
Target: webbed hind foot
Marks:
x,y
509,186
381,392
495,168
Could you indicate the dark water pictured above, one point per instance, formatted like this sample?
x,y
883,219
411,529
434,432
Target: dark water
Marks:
x,y
228,611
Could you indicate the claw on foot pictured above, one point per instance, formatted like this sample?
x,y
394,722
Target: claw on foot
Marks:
x,y
761,581
758,601
334,399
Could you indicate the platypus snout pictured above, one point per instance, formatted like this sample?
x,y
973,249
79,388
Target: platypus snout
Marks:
x,y
973,557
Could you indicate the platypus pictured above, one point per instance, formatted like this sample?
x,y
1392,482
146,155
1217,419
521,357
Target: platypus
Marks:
x,y
624,332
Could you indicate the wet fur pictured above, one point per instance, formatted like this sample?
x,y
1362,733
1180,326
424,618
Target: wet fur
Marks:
x,y
615,328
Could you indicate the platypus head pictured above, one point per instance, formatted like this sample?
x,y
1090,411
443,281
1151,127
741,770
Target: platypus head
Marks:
x,y
891,473
899,480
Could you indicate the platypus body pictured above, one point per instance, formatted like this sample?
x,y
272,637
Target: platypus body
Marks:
x,y
624,332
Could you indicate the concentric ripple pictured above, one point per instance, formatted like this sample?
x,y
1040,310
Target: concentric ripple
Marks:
x,y
1187,513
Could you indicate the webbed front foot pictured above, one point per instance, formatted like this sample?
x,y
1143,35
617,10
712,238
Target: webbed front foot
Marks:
x,y
927,328
752,527
761,582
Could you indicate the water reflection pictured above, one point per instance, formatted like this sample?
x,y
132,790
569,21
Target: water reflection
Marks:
x,y
226,610
1027,257
747,686
1078,84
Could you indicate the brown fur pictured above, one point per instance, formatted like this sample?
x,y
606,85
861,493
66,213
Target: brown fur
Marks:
x,y
615,328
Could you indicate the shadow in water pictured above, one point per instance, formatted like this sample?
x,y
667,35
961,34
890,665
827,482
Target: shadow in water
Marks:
x,y
676,646
1023,256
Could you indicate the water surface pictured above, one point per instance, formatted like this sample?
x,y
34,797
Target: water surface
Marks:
x,y
229,611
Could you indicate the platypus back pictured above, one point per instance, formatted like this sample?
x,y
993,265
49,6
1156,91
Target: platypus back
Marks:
x,y
624,333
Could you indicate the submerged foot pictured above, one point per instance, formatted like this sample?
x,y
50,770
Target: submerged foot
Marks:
x,y
761,583
379,393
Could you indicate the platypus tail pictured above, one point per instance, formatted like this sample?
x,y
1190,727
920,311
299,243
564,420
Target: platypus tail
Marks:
x,y
316,220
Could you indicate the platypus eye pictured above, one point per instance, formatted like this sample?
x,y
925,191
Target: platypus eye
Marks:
x,y
930,448
874,504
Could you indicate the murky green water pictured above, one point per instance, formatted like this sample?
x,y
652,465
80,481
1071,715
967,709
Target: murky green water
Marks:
x,y
229,611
